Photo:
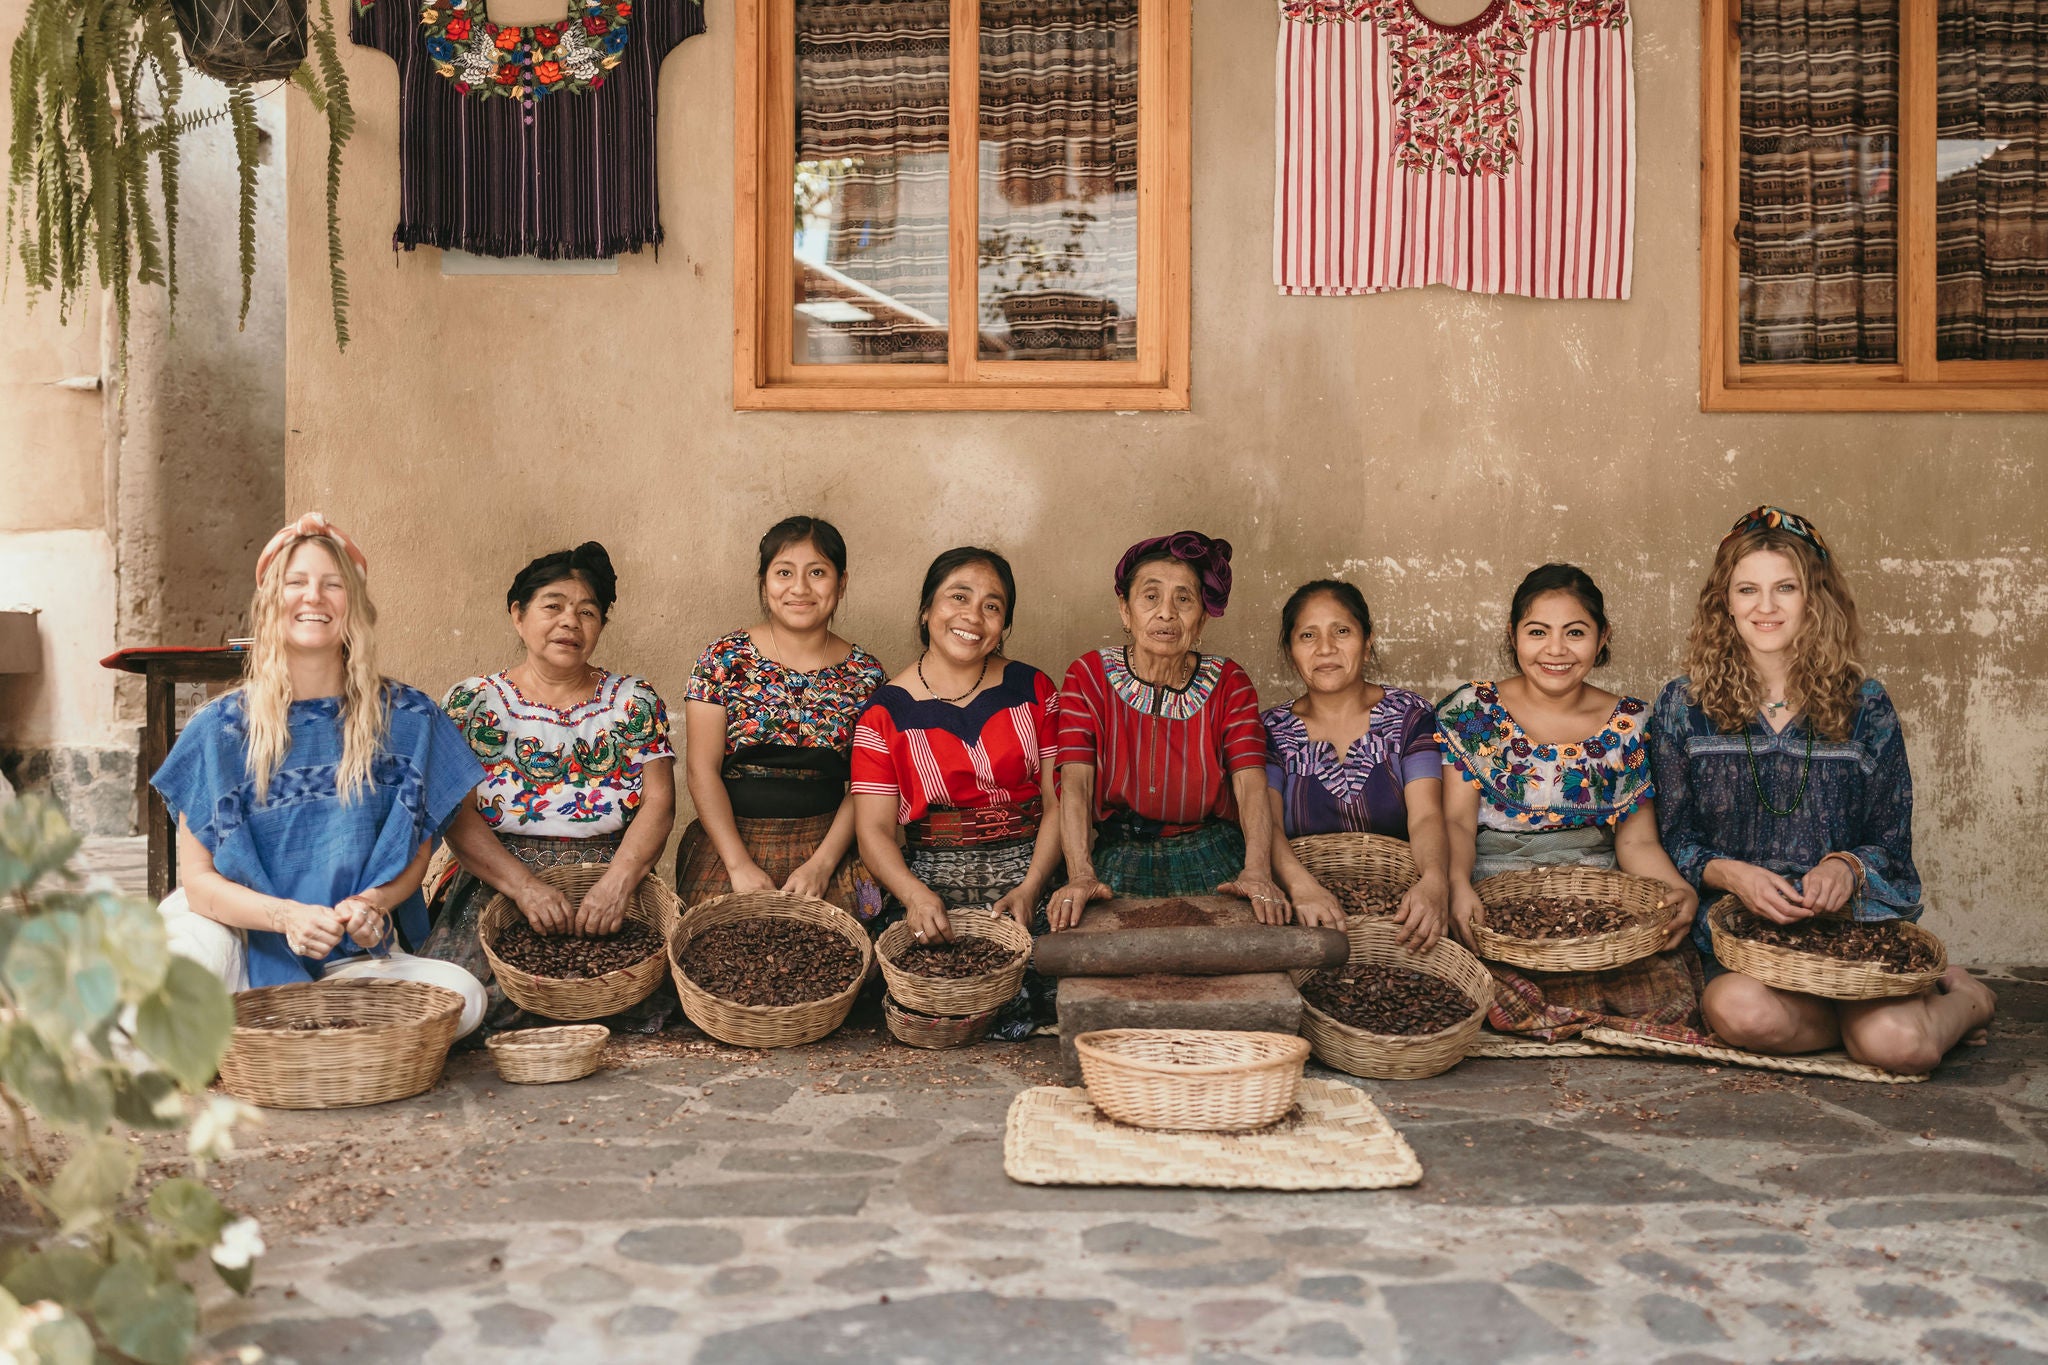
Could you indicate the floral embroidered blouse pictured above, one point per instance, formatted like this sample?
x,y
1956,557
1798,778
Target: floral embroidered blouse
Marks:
x,y
1601,780
1366,789
573,773
767,703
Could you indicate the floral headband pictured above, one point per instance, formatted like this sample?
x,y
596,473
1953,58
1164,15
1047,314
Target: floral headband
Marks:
x,y
1778,519
1210,559
311,524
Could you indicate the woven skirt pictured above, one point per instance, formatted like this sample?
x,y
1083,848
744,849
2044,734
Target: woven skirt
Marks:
x,y
975,878
778,848
1191,864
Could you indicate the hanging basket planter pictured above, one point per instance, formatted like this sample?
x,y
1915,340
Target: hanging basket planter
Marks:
x,y
243,41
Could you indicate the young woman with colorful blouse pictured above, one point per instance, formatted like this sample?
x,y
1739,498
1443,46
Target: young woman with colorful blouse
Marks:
x,y
1544,769
1784,779
1162,757
770,713
1351,755
578,768
309,798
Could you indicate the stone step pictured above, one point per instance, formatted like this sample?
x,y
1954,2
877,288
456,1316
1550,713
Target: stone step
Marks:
x,y
1251,1002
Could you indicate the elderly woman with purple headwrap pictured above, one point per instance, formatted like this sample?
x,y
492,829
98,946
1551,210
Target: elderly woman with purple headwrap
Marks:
x,y
1162,757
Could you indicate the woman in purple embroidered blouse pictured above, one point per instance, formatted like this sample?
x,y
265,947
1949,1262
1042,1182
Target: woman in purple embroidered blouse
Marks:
x,y
1353,755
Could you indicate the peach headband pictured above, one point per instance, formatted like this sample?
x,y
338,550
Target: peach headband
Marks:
x,y
311,524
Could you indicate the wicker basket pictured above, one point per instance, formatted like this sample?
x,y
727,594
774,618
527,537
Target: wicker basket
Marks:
x,y
1394,1056
539,1056
592,997
399,1051
914,1029
766,1025
960,995
1205,1080
1816,974
1643,898
1372,861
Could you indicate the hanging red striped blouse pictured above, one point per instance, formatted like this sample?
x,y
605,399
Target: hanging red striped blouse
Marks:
x,y
1161,753
1496,155
933,754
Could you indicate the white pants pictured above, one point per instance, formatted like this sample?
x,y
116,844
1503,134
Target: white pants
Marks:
x,y
225,953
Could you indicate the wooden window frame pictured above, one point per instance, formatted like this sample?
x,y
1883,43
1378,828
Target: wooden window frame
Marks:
x,y
1917,381
765,377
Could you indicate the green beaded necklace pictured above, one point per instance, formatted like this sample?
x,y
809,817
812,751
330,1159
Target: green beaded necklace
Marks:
x,y
1756,776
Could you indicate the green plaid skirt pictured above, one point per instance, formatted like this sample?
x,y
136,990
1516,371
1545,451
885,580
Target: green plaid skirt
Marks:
x,y
1191,864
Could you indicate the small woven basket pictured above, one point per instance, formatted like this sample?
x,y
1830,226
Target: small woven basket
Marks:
x,y
766,1025
1641,897
960,995
1202,1080
407,1027
1370,861
592,997
541,1056
1814,973
914,1029
1395,1056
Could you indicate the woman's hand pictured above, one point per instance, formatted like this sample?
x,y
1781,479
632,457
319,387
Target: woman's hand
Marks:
x,y
1424,913
1465,904
1317,908
309,930
749,877
545,908
364,923
1018,905
1684,903
1762,890
1070,900
1828,886
926,915
1269,902
604,906
810,879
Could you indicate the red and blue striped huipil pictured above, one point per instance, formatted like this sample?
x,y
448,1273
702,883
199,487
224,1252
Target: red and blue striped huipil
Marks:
x,y
935,755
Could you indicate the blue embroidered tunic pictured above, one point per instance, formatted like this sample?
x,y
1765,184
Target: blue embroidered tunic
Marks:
x,y
1859,800
304,843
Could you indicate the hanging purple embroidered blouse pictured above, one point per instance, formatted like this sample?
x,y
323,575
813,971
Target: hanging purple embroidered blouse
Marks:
x,y
1366,789
533,141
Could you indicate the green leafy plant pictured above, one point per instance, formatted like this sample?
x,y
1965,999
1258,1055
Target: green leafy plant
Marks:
x,y
103,1033
97,90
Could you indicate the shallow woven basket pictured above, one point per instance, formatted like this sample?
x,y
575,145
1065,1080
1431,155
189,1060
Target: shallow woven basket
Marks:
x,y
1372,861
592,997
1397,1056
399,1051
766,1025
1640,896
963,994
914,1029
540,1056
1813,973
1203,1080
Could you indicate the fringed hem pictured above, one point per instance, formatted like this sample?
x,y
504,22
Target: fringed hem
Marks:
x,y
619,244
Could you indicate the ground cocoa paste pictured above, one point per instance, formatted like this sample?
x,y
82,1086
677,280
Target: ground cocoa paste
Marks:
x,y
1887,944
961,958
1392,1000
564,957
1175,914
770,961
1556,917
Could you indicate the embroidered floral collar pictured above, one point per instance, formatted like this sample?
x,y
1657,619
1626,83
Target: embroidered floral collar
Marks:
x,y
1171,703
529,63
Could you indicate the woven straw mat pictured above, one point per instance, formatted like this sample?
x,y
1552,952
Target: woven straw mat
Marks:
x,y
1837,1064
1500,1045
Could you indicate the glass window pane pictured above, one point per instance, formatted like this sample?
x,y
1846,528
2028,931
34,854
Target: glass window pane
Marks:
x,y
871,196
1991,225
1059,180
1817,235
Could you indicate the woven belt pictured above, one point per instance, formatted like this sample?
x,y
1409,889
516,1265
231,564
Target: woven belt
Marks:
x,y
1006,824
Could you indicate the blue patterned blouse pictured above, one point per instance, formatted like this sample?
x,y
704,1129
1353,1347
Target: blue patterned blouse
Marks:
x,y
1859,799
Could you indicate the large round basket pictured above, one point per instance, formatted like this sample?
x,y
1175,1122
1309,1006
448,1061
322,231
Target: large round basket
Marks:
x,y
913,1029
593,997
1641,897
1205,1080
962,994
406,1028
1373,863
542,1056
1814,973
1394,1056
766,1025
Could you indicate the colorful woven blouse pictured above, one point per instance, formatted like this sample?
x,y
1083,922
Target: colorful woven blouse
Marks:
x,y
1523,785
1858,799
1364,790
1162,754
535,141
565,774
933,754
766,703
304,843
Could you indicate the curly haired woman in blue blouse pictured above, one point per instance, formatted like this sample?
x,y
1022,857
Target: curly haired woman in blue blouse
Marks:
x,y
1782,779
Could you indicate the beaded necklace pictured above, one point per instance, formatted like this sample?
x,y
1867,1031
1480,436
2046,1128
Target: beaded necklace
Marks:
x,y
1756,776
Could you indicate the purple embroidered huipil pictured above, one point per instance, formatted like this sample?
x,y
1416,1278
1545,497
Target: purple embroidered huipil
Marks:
x,y
1364,790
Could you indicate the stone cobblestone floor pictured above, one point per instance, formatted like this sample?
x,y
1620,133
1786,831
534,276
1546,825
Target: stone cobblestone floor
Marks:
x,y
846,1202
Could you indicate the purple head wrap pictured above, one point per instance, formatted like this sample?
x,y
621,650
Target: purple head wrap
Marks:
x,y
1210,559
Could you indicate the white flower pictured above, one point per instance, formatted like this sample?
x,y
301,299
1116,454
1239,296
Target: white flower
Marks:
x,y
240,1243
213,1132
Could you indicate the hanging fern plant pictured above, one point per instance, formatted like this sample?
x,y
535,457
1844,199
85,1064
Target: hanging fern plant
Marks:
x,y
97,89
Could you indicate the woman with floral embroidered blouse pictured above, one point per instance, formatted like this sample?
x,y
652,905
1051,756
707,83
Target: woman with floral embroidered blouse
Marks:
x,y
771,711
1785,784
1543,768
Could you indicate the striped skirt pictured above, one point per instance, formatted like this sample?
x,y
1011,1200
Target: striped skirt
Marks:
x,y
1191,864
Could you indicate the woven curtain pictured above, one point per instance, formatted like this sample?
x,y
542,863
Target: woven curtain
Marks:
x,y
1818,232
1991,237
